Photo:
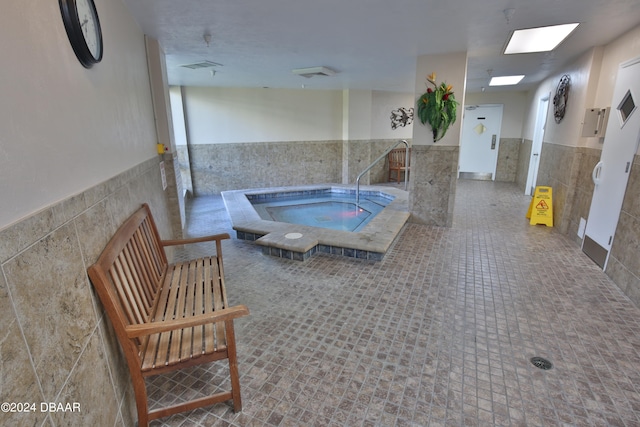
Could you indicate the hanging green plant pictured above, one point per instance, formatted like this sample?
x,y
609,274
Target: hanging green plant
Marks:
x,y
438,107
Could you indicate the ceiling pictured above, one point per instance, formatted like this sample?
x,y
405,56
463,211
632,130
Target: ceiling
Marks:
x,y
371,44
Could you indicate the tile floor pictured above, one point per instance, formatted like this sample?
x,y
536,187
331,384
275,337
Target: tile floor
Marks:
x,y
439,333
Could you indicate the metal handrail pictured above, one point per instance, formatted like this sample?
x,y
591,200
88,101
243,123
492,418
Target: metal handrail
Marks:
x,y
382,156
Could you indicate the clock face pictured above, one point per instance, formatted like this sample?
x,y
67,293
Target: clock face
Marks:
x,y
90,26
83,29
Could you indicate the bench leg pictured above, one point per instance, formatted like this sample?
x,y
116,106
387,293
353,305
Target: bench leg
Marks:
x,y
233,366
140,391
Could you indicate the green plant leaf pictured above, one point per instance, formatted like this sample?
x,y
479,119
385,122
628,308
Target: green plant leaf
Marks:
x,y
435,110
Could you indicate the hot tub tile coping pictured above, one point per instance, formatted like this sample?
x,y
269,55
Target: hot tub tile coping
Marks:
x,y
279,240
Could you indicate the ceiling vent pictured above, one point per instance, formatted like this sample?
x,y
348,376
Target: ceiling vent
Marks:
x,y
203,64
313,71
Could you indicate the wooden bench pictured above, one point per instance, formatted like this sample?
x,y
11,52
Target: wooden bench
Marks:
x,y
166,316
397,158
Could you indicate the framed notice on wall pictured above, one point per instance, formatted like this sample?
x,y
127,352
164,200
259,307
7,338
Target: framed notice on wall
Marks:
x,y
163,175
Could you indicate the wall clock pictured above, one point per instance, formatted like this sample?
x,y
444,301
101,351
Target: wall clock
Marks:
x,y
83,29
561,97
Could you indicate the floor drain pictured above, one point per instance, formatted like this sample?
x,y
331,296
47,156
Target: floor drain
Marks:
x,y
542,363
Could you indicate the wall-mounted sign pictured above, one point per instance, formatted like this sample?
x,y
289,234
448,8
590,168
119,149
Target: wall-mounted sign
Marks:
x,y
561,97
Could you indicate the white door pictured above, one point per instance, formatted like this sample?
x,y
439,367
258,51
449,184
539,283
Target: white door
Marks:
x,y
480,141
536,146
611,174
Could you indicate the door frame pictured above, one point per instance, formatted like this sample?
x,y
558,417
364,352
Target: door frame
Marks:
x,y
536,146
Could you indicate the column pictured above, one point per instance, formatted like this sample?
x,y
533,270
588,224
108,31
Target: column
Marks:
x,y
434,166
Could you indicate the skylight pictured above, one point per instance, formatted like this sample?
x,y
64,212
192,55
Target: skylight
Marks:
x,y
541,39
505,80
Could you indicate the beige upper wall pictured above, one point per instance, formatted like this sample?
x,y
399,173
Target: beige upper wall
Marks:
x,y
64,128
568,131
238,115
218,115
177,115
383,103
592,82
620,50
356,114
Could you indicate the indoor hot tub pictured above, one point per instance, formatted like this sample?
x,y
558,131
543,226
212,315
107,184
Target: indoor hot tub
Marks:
x,y
325,208
297,222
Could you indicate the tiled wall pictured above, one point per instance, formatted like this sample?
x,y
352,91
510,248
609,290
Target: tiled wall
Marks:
x,y
185,170
559,167
507,166
56,346
567,170
362,153
358,156
432,187
220,167
175,193
583,191
524,155
624,261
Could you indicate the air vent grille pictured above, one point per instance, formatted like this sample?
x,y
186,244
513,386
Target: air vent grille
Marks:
x,y
203,64
314,71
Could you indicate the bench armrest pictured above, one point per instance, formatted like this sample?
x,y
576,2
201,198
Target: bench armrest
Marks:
x,y
216,237
139,330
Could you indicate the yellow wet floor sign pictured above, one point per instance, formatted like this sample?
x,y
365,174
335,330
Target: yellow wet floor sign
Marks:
x,y
541,207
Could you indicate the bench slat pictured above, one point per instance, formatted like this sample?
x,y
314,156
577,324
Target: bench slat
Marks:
x,y
167,311
218,292
154,252
121,279
189,347
150,353
149,259
199,307
135,282
145,281
209,280
182,337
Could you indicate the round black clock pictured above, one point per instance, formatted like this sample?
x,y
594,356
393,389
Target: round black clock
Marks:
x,y
83,29
561,97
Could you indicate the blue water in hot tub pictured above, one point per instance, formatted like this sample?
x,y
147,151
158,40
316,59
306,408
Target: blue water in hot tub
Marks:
x,y
324,209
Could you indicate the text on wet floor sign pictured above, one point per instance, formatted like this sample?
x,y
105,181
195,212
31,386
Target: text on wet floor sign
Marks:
x,y
541,207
